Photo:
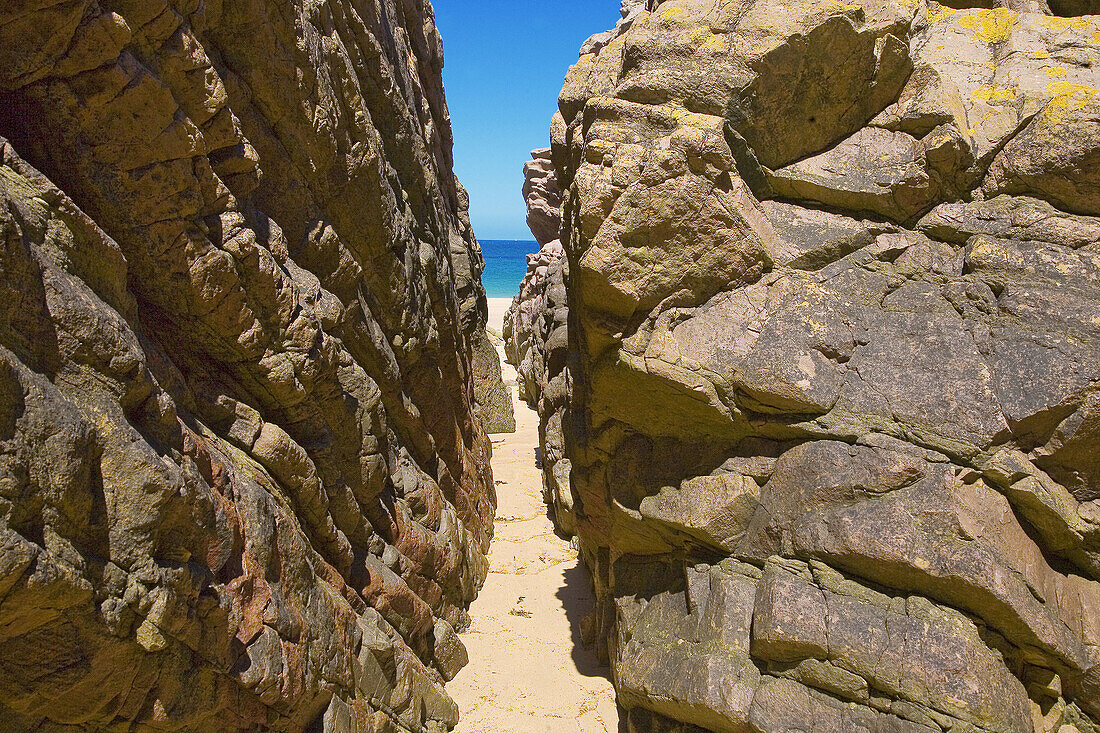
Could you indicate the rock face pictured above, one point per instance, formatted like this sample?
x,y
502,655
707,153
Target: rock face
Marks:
x,y
242,481
537,344
543,197
630,10
536,334
833,284
492,399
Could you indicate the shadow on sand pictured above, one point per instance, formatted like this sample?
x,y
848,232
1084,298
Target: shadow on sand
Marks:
x,y
576,597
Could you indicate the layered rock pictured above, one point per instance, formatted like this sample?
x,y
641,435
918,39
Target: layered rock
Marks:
x,y
832,309
543,197
536,336
243,482
536,343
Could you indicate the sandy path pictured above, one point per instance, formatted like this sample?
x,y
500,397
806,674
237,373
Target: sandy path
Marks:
x,y
528,672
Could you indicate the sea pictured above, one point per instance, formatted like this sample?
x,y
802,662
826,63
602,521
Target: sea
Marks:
x,y
505,265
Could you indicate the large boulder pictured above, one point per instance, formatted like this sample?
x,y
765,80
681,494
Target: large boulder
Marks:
x,y
492,398
243,483
832,295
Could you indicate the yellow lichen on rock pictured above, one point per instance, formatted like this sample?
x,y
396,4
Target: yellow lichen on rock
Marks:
x,y
937,12
1067,98
992,92
845,6
809,402
1059,24
706,38
684,117
991,26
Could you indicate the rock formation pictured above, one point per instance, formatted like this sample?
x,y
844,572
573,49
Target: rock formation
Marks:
x,y
833,285
536,342
629,10
492,398
543,197
243,485
536,335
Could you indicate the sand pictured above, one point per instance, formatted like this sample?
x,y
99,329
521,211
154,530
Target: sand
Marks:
x,y
528,671
497,308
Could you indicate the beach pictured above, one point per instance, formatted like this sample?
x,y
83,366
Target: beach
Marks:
x,y
497,308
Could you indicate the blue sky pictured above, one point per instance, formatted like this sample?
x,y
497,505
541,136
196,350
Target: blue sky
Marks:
x,y
505,61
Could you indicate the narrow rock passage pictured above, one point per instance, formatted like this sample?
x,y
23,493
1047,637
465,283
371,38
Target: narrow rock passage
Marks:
x,y
528,672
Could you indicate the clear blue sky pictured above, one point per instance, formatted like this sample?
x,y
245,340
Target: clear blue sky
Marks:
x,y
505,61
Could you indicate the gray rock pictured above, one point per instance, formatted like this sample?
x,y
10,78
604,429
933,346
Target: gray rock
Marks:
x,y
448,652
243,483
875,171
846,255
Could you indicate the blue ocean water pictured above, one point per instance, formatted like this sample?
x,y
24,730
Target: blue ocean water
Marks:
x,y
505,265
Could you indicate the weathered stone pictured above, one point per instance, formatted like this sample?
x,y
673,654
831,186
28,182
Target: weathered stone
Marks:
x,y
492,399
243,482
782,705
543,197
684,653
815,89
847,255
710,508
809,239
536,334
876,171
1055,157
1010,217
929,99
448,652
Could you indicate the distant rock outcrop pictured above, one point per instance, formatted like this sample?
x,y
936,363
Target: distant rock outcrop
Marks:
x,y
243,484
543,197
536,342
833,295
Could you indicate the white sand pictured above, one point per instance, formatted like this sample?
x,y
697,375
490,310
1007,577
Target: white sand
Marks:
x,y
497,308
528,671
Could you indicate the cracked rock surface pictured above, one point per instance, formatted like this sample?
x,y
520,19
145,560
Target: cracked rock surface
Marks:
x,y
244,475
833,276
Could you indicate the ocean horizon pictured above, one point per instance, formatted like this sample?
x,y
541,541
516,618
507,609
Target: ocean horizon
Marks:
x,y
505,265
